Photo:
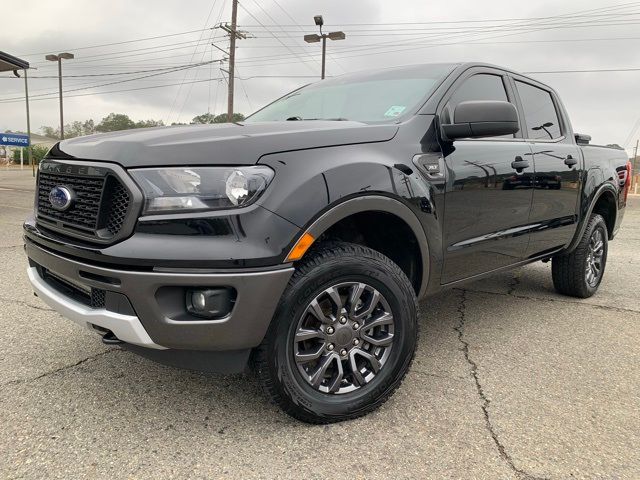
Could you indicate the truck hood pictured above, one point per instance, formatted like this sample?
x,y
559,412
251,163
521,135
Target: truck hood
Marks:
x,y
223,144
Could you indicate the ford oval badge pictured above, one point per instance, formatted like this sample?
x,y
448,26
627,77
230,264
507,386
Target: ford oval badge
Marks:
x,y
61,197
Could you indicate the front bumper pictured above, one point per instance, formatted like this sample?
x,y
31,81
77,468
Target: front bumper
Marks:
x,y
152,317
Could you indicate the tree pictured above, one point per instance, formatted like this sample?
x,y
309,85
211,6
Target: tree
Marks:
x,y
222,118
37,153
50,132
71,130
204,118
149,123
111,123
114,122
212,118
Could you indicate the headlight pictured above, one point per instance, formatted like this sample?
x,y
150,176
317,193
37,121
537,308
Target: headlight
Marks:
x,y
178,189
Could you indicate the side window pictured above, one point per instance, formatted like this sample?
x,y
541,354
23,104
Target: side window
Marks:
x,y
539,112
483,86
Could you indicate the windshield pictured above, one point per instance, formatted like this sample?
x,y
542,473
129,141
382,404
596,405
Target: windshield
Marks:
x,y
365,97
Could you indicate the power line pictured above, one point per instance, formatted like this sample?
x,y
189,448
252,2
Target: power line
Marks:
x,y
304,52
211,38
252,77
508,27
113,73
350,48
532,28
273,35
109,83
576,15
175,98
115,43
455,21
89,58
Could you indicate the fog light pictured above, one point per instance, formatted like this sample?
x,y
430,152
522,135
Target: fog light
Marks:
x,y
199,300
210,302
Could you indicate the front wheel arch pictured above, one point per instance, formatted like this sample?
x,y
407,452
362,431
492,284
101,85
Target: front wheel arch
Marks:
x,y
376,203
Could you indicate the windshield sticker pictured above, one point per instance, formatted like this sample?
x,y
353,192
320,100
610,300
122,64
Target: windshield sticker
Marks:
x,y
394,111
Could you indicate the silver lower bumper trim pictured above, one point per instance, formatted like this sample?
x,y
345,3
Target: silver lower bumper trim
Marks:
x,y
126,327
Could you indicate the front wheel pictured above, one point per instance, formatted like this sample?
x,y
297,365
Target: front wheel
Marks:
x,y
579,273
343,336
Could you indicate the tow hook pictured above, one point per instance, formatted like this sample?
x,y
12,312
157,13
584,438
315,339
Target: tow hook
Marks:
x,y
110,339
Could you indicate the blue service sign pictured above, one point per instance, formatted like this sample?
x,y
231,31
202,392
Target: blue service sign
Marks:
x,y
14,140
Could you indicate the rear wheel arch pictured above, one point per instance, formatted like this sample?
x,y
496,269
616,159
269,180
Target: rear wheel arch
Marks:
x,y
388,209
602,202
605,206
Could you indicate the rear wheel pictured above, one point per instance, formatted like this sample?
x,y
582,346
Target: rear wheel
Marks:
x,y
579,273
343,336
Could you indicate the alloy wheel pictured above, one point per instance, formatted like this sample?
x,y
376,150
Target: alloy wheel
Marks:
x,y
344,338
595,258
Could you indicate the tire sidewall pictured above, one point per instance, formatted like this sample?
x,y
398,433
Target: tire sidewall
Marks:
x,y
295,301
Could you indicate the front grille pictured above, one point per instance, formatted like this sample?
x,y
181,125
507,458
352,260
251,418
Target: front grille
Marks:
x,y
99,209
117,205
84,212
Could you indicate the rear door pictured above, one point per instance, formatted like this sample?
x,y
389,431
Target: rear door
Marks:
x,y
487,201
557,163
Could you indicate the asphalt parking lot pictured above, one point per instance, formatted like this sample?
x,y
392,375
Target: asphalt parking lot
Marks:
x,y
511,380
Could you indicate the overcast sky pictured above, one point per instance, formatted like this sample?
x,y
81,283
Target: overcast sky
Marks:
x,y
530,38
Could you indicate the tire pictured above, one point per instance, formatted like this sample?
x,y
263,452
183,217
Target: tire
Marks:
x,y
570,272
339,392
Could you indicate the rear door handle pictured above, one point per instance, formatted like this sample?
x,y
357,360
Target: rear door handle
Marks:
x,y
519,164
570,161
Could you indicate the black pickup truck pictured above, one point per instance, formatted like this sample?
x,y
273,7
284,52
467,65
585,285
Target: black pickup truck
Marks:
x,y
299,241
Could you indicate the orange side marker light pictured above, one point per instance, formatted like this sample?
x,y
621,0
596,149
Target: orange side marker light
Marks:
x,y
300,248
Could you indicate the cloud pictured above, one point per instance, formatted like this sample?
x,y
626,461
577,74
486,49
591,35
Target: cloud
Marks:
x,y
601,104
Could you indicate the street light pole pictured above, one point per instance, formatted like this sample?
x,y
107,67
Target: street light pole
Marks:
x,y
58,58
324,54
314,38
29,151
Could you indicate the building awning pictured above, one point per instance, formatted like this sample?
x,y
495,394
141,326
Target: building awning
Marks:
x,y
9,63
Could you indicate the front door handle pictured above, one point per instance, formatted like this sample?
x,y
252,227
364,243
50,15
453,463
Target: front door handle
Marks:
x,y
570,161
519,164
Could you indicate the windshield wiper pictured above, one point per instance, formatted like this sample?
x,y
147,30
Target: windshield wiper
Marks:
x,y
338,119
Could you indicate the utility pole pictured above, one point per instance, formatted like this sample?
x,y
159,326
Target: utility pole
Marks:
x,y
314,38
232,59
58,58
234,35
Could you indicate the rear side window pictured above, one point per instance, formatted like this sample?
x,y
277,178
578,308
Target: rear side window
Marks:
x,y
539,112
482,86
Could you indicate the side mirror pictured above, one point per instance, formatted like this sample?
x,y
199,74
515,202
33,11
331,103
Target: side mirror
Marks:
x,y
582,139
486,118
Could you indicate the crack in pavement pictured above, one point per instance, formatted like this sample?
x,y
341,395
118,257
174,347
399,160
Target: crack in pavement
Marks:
x,y
26,304
60,369
551,299
485,401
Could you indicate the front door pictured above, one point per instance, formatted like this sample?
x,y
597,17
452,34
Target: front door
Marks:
x,y
487,199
